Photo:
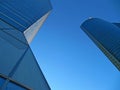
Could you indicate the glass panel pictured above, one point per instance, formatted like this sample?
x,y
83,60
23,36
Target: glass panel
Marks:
x,y
11,31
18,12
29,73
13,86
9,53
12,46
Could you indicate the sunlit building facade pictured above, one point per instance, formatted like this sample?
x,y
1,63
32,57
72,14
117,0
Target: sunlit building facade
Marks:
x,y
106,36
20,20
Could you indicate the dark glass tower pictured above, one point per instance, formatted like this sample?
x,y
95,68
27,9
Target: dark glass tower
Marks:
x,y
20,20
106,36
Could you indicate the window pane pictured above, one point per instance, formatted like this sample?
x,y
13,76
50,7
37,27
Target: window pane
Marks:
x,y
29,73
12,86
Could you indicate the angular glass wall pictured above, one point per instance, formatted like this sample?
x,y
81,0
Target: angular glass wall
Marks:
x,y
23,13
32,76
12,46
106,36
19,69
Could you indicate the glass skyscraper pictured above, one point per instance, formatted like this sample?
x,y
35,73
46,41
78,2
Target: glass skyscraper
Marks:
x,y
20,20
106,36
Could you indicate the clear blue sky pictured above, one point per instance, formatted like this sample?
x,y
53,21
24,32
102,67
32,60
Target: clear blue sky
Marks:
x,y
67,57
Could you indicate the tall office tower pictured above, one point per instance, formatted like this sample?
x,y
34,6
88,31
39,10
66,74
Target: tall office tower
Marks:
x,y
20,20
106,36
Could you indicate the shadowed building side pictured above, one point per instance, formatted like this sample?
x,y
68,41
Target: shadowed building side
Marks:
x,y
106,36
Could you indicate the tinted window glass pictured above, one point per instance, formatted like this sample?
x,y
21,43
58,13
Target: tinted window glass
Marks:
x,y
12,86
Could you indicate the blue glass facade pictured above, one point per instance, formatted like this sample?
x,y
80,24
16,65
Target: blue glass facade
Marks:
x,y
106,36
23,13
13,86
20,20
